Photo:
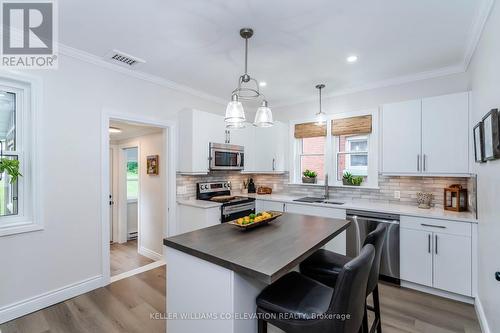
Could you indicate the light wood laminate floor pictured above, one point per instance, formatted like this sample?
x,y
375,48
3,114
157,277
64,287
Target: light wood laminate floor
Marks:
x,y
124,257
125,306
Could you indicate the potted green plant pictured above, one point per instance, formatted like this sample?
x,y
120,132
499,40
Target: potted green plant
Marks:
x,y
309,177
9,166
349,179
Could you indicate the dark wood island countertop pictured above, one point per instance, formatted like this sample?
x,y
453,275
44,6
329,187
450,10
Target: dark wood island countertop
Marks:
x,y
265,253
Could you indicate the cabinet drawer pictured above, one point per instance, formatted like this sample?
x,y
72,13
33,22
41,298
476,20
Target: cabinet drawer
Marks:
x,y
264,205
434,225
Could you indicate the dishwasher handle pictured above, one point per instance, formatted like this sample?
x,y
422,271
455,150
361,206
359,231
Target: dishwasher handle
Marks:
x,y
359,218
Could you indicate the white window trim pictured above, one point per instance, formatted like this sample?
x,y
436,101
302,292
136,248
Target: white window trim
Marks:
x,y
298,153
330,151
29,217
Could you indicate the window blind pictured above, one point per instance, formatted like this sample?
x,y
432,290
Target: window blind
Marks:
x,y
309,130
352,125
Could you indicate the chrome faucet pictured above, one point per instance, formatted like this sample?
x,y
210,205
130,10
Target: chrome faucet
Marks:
x,y
327,195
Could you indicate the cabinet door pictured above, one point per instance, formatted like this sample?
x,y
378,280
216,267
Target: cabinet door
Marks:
x,y
445,136
416,256
401,137
264,205
338,244
207,127
280,147
245,137
452,263
264,149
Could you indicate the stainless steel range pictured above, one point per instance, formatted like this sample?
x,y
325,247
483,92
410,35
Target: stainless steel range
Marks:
x,y
233,207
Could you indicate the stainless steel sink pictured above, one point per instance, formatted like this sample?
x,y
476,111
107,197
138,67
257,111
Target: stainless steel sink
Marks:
x,y
319,200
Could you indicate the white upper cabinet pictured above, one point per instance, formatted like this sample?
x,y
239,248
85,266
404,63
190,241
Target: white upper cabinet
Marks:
x,y
269,151
245,137
196,130
445,140
426,137
401,133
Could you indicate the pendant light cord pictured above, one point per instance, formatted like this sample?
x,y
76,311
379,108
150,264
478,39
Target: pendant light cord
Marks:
x,y
246,56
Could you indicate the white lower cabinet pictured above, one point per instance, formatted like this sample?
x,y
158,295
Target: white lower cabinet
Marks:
x,y
437,254
192,218
264,205
338,244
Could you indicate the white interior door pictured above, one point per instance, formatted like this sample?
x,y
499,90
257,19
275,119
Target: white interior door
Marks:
x,y
445,143
111,195
401,137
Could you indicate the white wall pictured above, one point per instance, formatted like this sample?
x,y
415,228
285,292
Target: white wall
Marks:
x,y
484,72
151,208
68,250
373,98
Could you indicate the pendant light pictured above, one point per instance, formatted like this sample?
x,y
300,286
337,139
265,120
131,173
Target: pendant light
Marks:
x,y
320,116
248,89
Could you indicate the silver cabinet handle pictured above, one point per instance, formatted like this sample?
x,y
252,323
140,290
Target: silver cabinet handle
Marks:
x,y
425,162
429,243
436,243
228,136
433,226
418,162
274,164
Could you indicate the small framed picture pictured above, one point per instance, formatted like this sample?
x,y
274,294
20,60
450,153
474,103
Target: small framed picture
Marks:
x,y
152,165
479,143
491,136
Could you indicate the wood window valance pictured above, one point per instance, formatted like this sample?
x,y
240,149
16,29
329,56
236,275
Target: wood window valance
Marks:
x,y
309,130
352,125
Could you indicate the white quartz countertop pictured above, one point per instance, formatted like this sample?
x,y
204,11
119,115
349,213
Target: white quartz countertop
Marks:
x,y
199,203
406,210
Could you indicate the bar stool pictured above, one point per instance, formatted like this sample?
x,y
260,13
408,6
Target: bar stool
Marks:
x,y
324,266
296,303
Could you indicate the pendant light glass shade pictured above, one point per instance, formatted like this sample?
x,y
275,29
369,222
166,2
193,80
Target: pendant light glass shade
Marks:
x,y
264,116
236,125
234,111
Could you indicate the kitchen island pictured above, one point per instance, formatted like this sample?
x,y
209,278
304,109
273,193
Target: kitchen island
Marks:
x,y
214,274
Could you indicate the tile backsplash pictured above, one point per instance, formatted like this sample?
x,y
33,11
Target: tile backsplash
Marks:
x,y
406,185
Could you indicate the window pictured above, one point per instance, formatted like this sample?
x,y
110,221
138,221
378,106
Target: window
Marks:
x,y
344,143
17,199
9,150
352,155
312,155
132,174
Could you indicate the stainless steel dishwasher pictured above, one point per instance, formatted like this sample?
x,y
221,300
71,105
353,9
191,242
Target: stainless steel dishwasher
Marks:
x,y
362,223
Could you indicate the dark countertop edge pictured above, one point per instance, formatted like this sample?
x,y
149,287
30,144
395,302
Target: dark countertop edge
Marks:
x,y
268,279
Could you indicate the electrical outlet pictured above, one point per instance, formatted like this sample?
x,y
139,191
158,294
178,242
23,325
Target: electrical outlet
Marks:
x,y
397,195
181,190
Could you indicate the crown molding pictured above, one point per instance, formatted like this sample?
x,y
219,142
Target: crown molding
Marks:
x,y
445,71
476,30
98,61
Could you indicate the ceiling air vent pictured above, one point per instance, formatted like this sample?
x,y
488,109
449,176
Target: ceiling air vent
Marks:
x,y
125,59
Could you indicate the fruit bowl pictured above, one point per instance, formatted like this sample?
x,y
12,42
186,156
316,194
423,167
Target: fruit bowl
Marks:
x,y
255,220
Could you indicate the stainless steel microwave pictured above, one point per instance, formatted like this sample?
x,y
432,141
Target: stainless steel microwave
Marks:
x,y
226,156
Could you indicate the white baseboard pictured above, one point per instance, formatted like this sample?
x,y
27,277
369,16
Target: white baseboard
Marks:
x,y
485,328
437,292
24,307
150,254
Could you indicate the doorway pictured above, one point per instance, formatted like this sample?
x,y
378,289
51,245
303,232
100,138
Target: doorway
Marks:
x,y
137,195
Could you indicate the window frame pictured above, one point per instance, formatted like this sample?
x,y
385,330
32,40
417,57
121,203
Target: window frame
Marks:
x,y
331,147
299,153
349,153
28,101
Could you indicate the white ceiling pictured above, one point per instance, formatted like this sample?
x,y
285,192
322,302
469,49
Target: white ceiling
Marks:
x,y
130,130
296,44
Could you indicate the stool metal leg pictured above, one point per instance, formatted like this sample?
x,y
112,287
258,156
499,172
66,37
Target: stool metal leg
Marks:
x,y
365,320
376,305
262,326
